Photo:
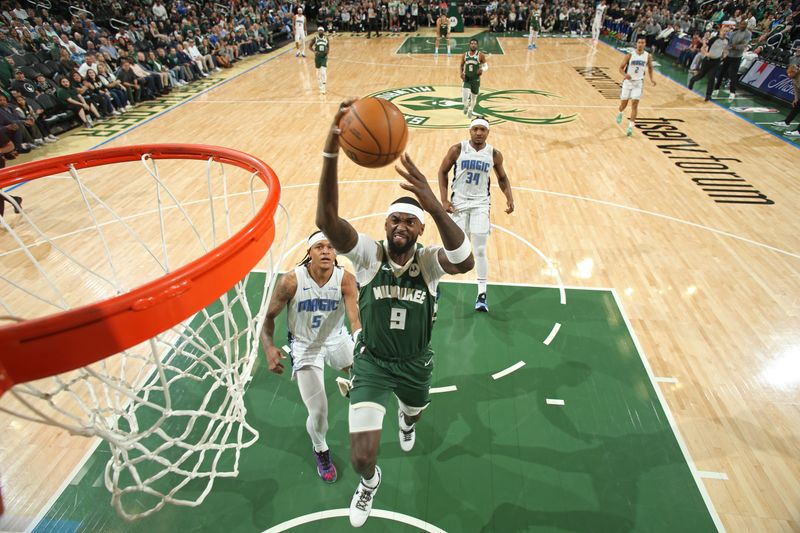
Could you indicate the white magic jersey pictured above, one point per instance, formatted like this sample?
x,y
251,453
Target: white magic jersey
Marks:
x,y
637,65
471,177
599,12
316,314
300,24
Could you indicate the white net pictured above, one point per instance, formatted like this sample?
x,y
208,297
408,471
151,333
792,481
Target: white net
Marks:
x,y
172,408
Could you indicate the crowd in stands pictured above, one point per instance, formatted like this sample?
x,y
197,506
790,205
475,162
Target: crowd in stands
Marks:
x,y
96,59
61,69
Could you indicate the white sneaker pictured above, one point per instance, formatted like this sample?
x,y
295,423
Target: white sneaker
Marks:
x,y
407,437
780,124
50,139
361,504
794,133
38,142
731,96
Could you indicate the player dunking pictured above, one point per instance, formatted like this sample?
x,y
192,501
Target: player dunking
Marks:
x,y
534,24
442,31
317,293
398,279
299,32
473,65
632,68
472,161
599,15
321,48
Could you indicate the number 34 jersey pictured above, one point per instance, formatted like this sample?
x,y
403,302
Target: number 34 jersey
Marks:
x,y
471,180
395,302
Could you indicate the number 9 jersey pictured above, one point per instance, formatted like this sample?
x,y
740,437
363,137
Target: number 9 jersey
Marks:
x,y
471,178
395,302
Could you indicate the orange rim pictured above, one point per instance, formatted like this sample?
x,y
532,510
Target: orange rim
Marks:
x,y
64,341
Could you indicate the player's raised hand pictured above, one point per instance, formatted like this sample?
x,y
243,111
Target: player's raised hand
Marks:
x,y
344,108
274,357
417,184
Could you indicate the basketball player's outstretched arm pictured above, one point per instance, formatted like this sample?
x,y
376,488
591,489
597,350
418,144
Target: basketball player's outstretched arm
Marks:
x,y
340,233
284,291
452,236
444,169
503,181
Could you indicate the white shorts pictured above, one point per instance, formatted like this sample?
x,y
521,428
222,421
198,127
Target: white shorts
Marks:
x,y
632,90
299,36
473,220
337,353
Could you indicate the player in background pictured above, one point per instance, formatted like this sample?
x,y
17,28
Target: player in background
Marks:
x,y
633,70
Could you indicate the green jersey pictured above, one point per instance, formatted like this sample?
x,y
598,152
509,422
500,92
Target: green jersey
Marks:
x,y
321,47
396,302
472,66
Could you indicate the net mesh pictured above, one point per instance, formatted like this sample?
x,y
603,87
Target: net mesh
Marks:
x,y
171,409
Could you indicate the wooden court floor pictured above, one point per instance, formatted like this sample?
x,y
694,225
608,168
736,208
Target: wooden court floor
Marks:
x,y
710,284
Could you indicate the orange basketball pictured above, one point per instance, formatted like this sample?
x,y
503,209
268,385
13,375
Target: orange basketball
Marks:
x,y
374,132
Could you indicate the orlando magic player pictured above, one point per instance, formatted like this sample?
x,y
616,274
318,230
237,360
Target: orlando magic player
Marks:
x,y
299,32
318,293
632,68
599,15
472,162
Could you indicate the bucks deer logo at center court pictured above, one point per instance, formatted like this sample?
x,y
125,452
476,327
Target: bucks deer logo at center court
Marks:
x,y
428,106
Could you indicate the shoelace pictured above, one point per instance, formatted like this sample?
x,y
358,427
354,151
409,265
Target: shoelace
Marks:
x,y
364,498
325,459
407,434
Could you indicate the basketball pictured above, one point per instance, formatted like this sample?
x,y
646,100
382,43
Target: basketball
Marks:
x,y
374,132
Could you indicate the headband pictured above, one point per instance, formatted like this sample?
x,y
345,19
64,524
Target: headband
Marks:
x,y
409,209
315,238
479,122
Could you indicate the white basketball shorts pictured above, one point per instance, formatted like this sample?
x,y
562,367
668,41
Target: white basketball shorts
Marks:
x,y
337,353
473,220
632,90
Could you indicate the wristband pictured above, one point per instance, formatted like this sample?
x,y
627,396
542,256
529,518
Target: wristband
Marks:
x,y
460,254
330,155
354,335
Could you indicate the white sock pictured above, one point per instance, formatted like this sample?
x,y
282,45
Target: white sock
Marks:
x,y
448,49
373,481
630,124
465,96
481,261
324,74
472,99
312,390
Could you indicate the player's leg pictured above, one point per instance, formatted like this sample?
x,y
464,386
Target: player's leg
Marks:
x,y
323,77
436,44
624,96
311,383
466,95
448,44
414,378
634,111
372,386
479,229
475,89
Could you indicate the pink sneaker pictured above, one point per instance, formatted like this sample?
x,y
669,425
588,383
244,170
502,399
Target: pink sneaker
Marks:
x,y
325,467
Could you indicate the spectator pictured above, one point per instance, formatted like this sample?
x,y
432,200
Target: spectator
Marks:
x,y
118,91
29,135
687,55
29,109
23,85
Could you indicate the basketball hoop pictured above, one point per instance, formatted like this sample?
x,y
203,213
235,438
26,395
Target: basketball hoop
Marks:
x,y
158,367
